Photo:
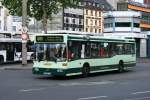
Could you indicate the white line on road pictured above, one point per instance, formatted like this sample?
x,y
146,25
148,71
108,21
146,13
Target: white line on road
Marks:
x,y
139,98
29,90
87,83
89,98
141,92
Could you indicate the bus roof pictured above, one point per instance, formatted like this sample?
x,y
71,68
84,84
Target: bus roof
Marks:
x,y
84,34
73,32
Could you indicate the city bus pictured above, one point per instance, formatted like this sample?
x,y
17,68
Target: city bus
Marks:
x,y
11,49
67,53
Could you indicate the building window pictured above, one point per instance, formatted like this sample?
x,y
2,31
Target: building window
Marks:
x,y
86,21
93,4
99,14
66,28
95,30
73,21
0,11
14,28
90,4
80,29
91,22
122,6
96,13
82,3
86,12
80,21
86,29
123,24
73,29
137,25
91,12
87,3
99,30
67,20
0,24
91,29
107,25
95,22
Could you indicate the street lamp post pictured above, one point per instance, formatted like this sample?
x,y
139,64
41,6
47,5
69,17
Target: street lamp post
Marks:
x,y
24,31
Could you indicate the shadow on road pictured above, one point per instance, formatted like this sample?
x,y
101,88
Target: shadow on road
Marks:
x,y
76,77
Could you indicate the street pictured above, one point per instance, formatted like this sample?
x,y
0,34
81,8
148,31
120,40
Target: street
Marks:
x,y
23,85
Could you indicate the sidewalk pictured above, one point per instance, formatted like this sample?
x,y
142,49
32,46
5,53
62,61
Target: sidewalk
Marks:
x,y
143,60
17,66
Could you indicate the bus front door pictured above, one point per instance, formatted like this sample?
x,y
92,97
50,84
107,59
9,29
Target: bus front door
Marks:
x,y
10,52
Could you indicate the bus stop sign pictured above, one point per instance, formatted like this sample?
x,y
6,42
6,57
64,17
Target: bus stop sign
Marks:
x,y
24,36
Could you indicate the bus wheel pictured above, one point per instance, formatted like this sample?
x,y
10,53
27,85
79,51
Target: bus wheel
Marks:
x,y
1,60
121,67
85,70
32,57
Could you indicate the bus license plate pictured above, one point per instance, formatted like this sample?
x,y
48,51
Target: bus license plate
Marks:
x,y
47,73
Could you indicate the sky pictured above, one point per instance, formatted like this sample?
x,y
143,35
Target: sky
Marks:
x,y
141,1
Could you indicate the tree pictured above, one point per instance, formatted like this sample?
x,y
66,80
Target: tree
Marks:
x,y
39,9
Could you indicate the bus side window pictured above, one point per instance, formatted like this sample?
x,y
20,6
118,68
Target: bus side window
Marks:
x,y
73,50
103,50
94,50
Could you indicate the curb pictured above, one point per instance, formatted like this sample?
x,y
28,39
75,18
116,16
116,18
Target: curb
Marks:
x,y
147,61
17,68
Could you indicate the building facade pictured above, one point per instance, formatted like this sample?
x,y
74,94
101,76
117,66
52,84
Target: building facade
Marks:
x,y
73,19
126,24
93,19
8,22
135,6
147,2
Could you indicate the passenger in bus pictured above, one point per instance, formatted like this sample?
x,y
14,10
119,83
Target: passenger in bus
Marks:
x,y
101,52
70,55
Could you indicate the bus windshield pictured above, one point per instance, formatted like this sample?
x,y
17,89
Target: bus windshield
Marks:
x,y
51,52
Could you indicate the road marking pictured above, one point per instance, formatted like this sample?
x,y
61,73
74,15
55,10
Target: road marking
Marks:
x,y
89,98
87,83
138,98
141,92
29,90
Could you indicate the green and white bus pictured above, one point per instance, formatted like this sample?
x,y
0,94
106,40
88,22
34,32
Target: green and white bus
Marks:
x,y
66,53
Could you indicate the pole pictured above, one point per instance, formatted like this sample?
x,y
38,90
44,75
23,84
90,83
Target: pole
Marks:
x,y
24,27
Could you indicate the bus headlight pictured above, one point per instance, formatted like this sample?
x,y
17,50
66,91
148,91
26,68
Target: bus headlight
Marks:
x,y
36,69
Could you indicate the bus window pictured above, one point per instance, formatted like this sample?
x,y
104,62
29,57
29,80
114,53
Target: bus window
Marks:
x,y
74,49
18,47
129,49
94,50
30,47
2,47
103,49
119,48
87,50
112,49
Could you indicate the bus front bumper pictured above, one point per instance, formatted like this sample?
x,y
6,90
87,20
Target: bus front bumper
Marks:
x,y
48,71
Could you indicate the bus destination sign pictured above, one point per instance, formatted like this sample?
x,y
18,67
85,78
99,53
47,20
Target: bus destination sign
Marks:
x,y
49,39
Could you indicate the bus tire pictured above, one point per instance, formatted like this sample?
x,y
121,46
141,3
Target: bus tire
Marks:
x,y
32,57
1,60
121,66
85,70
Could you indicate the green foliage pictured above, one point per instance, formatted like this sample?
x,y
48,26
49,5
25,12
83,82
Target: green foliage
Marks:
x,y
36,8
